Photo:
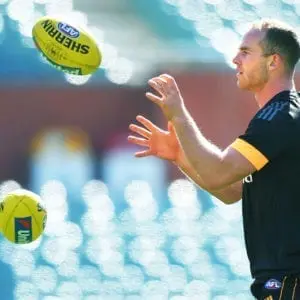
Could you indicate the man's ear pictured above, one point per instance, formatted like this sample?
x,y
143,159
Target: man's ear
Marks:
x,y
275,61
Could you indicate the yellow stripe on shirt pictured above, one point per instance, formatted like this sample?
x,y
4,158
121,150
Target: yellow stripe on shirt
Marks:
x,y
250,152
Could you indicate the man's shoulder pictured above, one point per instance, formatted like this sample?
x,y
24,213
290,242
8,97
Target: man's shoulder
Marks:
x,y
273,110
286,106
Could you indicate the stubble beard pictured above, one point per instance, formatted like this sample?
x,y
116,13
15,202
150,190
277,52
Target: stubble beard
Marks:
x,y
255,81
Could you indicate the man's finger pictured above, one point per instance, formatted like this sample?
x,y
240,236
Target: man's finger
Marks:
x,y
171,127
142,131
158,85
157,100
162,84
138,141
167,77
170,80
159,79
143,153
147,123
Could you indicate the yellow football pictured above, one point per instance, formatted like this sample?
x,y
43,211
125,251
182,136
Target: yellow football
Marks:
x,y
22,216
66,47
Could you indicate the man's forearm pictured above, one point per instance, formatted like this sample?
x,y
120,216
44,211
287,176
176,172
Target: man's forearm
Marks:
x,y
205,157
228,195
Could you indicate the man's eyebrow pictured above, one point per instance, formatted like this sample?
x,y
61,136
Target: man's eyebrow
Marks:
x,y
245,48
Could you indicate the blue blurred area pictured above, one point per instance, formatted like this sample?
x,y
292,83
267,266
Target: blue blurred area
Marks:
x,y
7,282
122,228
164,21
119,168
131,234
19,63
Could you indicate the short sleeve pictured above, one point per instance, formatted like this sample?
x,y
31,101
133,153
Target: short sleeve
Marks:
x,y
265,139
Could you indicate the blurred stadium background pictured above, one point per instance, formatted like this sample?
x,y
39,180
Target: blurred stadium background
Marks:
x,y
120,228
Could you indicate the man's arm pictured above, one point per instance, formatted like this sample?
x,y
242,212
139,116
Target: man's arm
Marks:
x,y
228,195
217,169
165,145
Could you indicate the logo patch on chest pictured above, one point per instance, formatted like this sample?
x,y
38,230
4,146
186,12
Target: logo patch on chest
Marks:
x,y
273,284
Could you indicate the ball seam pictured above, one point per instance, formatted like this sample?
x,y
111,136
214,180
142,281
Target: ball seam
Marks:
x,y
11,213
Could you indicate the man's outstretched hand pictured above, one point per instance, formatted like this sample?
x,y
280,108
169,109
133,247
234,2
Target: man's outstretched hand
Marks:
x,y
160,143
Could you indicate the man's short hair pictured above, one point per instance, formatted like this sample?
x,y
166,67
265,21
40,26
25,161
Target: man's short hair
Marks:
x,y
279,39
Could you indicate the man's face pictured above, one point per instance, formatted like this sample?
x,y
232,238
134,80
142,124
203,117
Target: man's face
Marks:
x,y
251,65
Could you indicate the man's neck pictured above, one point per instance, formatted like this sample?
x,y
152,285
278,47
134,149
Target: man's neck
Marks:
x,y
271,89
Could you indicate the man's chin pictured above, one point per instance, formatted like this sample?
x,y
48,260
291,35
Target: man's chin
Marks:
x,y
242,86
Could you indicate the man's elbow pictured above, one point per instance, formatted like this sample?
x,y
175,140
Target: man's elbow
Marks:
x,y
214,184
228,195
220,180
231,200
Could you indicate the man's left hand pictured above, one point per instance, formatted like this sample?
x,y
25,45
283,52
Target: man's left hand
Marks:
x,y
169,99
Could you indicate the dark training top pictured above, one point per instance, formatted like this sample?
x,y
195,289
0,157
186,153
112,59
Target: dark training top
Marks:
x,y
271,195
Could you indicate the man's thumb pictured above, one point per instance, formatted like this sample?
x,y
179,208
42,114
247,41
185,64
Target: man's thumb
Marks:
x,y
171,127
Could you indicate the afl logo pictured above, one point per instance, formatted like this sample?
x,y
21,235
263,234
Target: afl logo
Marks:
x,y
68,30
273,284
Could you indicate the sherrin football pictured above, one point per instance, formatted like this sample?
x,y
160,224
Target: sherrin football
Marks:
x,y
22,216
66,47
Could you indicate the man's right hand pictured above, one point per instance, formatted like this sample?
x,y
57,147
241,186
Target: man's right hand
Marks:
x,y
165,144
160,143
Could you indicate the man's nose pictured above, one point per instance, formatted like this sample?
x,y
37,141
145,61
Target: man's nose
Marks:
x,y
235,60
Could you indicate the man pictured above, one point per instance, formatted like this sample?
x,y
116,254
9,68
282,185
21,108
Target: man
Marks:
x,y
267,155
